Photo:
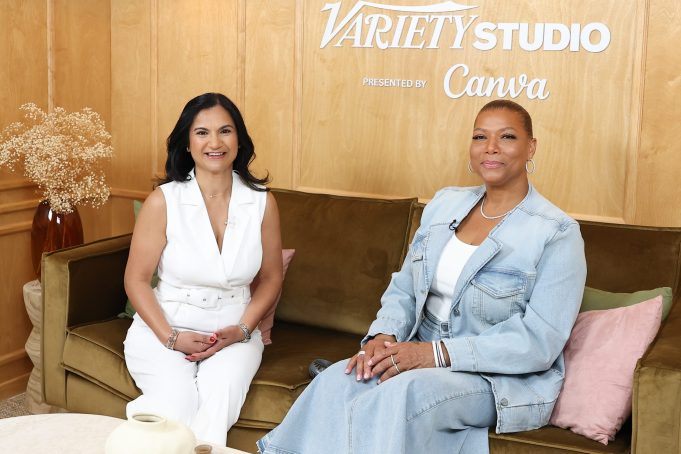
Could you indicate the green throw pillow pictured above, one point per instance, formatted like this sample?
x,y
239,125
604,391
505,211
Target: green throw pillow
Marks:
x,y
601,300
129,310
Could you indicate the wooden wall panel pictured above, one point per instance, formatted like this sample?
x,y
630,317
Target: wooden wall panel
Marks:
x,y
197,53
404,142
82,55
23,78
133,83
15,325
658,192
16,270
81,76
317,128
133,107
15,369
270,73
23,48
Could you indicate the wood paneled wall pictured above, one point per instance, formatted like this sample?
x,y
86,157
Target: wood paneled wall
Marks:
x,y
608,132
317,128
406,141
54,53
23,78
657,199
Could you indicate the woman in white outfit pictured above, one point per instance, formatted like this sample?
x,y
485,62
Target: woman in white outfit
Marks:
x,y
210,228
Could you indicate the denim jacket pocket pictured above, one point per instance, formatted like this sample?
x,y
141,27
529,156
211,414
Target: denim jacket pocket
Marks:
x,y
498,295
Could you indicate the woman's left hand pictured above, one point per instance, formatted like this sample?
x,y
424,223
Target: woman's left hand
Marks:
x,y
406,356
225,337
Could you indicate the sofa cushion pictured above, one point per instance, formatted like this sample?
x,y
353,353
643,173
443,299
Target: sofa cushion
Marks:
x,y
346,249
95,351
600,358
627,258
598,300
86,396
283,373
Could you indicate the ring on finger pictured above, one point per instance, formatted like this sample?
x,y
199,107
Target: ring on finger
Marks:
x,y
392,358
361,352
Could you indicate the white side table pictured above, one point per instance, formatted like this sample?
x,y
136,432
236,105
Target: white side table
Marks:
x,y
33,299
65,433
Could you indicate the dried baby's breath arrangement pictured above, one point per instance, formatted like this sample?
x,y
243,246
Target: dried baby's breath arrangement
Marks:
x,y
62,153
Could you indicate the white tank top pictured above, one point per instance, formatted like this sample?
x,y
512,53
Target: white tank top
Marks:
x,y
454,256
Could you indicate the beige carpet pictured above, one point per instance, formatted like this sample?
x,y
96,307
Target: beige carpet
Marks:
x,y
14,406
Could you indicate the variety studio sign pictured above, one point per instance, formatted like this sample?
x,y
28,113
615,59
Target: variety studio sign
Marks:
x,y
449,25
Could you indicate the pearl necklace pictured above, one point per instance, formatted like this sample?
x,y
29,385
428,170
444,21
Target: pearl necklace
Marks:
x,y
491,218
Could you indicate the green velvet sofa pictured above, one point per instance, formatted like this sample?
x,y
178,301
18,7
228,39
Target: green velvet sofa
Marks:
x,y
346,249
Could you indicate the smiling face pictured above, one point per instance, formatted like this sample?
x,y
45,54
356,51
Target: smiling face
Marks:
x,y
213,141
500,148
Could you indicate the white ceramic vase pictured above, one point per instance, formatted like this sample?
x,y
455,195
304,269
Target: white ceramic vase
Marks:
x,y
150,434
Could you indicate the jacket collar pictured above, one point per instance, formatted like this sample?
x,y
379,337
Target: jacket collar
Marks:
x,y
457,212
440,233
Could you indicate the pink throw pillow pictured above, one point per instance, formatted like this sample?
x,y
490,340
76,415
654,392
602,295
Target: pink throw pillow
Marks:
x,y
600,357
267,321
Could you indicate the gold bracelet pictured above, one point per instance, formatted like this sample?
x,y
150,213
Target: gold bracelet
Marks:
x,y
172,338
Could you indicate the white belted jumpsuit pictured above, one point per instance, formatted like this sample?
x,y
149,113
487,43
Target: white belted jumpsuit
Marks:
x,y
203,289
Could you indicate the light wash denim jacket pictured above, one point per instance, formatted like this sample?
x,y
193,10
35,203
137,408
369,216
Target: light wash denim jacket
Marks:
x,y
514,303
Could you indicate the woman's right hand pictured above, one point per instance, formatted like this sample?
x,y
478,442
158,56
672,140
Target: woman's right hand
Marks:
x,y
189,342
224,337
361,359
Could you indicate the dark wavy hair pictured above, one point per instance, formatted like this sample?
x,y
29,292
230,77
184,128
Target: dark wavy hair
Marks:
x,y
179,162
513,107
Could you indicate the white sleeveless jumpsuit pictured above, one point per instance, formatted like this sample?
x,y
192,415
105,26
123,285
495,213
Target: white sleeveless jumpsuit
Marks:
x,y
201,289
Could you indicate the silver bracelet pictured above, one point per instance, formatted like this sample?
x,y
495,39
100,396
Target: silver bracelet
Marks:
x,y
172,338
441,354
247,333
435,355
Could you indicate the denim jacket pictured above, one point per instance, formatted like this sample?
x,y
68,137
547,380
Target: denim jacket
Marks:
x,y
514,303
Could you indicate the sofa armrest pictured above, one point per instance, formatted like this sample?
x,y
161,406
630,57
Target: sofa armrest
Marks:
x,y
80,284
656,411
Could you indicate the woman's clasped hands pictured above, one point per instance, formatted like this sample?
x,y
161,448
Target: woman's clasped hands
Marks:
x,y
382,356
199,346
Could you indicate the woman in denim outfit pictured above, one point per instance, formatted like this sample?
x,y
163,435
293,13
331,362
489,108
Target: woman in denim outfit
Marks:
x,y
471,329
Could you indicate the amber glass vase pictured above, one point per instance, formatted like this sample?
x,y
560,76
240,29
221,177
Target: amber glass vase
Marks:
x,y
51,231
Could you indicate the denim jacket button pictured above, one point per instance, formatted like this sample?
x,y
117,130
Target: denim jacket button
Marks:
x,y
503,402
457,311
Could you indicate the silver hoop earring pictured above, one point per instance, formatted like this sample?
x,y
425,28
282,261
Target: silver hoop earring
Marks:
x,y
470,168
188,150
527,168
